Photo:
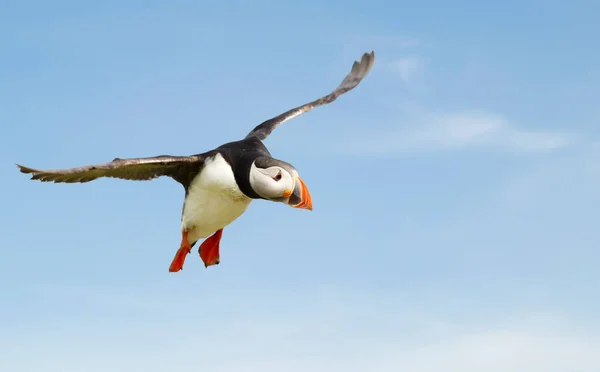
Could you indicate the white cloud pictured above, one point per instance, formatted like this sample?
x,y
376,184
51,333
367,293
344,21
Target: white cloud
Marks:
x,y
465,129
326,331
313,342
498,350
408,68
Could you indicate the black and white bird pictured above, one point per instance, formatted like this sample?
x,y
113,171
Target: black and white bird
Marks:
x,y
221,183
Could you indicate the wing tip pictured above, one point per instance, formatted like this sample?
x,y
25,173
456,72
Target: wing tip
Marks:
x,y
36,175
360,69
367,60
24,169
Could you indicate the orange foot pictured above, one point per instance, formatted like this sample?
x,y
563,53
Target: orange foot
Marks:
x,y
209,249
181,254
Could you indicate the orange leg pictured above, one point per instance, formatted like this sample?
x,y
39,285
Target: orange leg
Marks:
x,y
184,249
209,249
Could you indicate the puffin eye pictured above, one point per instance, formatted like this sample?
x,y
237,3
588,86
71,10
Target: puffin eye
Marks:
x,y
278,176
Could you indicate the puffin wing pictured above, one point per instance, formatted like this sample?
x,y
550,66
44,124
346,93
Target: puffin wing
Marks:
x,y
134,169
358,72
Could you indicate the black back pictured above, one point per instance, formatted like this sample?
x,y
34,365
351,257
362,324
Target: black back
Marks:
x,y
240,155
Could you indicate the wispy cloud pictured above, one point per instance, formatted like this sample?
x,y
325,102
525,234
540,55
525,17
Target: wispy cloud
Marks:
x,y
408,68
336,332
465,130
264,347
429,129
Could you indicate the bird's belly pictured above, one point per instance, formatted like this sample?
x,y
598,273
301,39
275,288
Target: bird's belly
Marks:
x,y
205,212
213,201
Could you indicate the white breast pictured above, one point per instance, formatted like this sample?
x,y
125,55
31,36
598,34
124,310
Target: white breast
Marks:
x,y
214,200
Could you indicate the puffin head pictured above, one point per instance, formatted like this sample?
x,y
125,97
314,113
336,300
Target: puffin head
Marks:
x,y
278,181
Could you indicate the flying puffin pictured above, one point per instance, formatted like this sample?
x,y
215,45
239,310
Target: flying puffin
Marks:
x,y
219,184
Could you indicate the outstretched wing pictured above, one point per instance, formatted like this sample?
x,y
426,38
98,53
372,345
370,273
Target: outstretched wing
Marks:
x,y
135,169
358,72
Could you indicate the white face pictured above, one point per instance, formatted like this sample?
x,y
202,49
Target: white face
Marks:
x,y
273,183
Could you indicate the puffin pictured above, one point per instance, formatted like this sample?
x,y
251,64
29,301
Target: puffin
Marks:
x,y
221,183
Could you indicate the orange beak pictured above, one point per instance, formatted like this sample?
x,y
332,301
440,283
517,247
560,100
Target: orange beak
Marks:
x,y
301,196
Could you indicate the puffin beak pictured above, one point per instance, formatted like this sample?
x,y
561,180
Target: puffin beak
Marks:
x,y
300,197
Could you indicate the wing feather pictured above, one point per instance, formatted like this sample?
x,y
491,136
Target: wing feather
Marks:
x,y
358,72
134,169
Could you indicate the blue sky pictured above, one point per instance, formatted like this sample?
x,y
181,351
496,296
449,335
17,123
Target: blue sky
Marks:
x,y
455,191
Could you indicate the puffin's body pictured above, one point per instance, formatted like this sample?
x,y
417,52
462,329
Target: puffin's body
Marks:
x,y
219,184
214,200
